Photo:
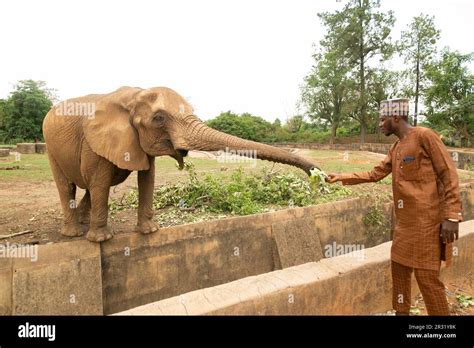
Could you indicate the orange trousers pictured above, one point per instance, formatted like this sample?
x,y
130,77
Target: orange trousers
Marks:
x,y
432,290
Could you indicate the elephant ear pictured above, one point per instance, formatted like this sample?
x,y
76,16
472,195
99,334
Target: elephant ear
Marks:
x,y
110,132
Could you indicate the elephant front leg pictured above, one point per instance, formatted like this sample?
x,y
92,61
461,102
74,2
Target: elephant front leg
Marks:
x,y
146,185
98,229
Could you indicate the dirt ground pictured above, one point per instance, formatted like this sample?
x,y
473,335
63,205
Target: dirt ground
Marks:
x,y
465,287
453,291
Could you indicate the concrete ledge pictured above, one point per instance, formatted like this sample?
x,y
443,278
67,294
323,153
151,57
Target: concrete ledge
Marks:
x,y
340,285
64,279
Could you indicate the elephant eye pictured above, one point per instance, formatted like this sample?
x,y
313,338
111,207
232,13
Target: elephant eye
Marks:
x,y
159,119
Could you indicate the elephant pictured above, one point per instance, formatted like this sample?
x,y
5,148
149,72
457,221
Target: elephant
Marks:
x,y
125,131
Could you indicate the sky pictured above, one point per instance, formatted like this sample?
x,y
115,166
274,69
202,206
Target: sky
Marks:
x,y
239,55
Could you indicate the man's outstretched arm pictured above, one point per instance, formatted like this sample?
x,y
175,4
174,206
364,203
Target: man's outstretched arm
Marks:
x,y
378,173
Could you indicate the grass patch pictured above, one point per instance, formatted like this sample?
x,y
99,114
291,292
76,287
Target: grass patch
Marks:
x,y
33,167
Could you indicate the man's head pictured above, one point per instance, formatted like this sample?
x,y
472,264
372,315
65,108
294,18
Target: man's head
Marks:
x,y
393,115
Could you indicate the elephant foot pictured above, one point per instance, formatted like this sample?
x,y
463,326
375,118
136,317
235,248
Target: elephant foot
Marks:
x,y
99,234
147,226
72,230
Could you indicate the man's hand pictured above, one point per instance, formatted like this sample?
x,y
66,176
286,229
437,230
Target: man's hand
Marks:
x,y
449,231
332,178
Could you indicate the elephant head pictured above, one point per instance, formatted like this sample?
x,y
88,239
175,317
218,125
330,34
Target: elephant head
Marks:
x,y
131,124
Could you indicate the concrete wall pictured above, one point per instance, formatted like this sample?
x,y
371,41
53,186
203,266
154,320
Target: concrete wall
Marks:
x,y
188,257
134,269
28,148
62,279
467,200
343,285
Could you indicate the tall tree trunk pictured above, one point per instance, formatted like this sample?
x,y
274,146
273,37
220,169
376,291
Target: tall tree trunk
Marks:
x,y
334,127
417,87
466,138
363,108
363,132
379,134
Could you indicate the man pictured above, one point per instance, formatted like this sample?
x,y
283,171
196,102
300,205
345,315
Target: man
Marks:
x,y
427,206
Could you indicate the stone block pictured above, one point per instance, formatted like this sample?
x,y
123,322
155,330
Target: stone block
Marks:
x,y
297,242
26,148
40,148
6,271
64,280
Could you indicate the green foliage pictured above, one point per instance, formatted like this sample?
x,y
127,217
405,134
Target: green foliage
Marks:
x,y
245,126
381,84
295,124
357,34
22,113
450,97
374,218
317,181
418,46
239,193
326,89
465,301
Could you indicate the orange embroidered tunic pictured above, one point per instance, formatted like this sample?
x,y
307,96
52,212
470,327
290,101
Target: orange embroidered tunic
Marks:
x,y
425,192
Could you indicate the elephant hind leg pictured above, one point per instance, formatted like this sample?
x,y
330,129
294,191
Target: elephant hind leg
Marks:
x,y
84,208
67,195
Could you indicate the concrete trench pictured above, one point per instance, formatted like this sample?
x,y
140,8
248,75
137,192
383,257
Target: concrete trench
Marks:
x,y
272,263
341,285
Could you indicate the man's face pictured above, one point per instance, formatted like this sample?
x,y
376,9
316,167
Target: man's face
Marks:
x,y
386,125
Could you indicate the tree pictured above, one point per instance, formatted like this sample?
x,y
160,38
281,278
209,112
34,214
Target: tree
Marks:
x,y
381,84
2,114
245,126
361,34
326,88
24,110
418,46
294,123
450,98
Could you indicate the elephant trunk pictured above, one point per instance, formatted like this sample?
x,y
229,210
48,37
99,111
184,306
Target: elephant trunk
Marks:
x,y
204,138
